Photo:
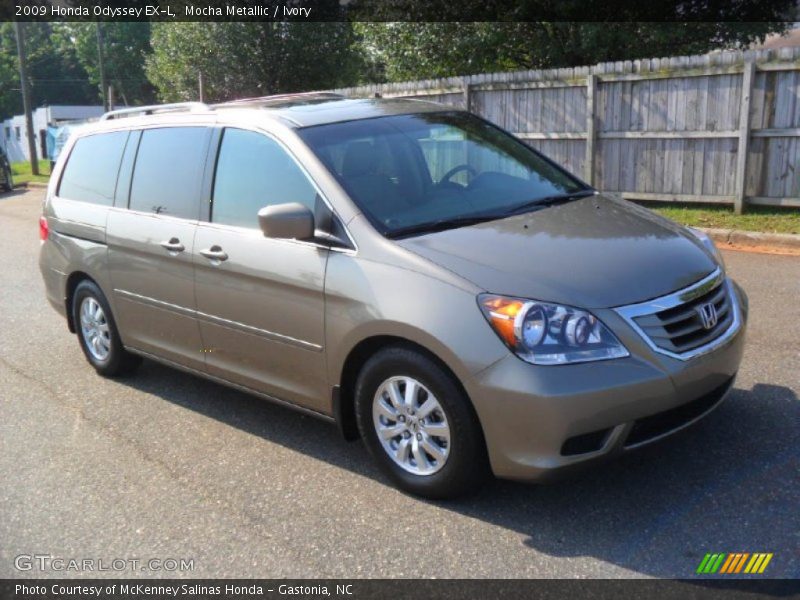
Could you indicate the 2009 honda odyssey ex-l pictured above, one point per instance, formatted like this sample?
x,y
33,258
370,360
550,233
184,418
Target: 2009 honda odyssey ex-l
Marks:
x,y
409,271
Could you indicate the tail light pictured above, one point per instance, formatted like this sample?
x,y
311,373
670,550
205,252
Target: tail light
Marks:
x,y
44,229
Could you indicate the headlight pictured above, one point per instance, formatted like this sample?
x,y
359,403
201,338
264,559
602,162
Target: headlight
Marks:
x,y
709,244
549,334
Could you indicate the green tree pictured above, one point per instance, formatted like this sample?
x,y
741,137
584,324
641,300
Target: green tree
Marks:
x,y
10,97
250,58
56,75
402,50
125,48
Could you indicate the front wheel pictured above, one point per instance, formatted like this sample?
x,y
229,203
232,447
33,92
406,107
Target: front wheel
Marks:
x,y
419,426
97,332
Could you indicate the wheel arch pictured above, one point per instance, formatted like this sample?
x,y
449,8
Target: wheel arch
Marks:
x,y
74,279
344,392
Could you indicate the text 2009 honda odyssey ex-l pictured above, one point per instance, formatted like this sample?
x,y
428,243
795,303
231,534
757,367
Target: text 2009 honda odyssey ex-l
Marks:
x,y
404,269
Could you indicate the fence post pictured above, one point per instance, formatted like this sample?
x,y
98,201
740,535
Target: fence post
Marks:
x,y
591,134
467,91
744,135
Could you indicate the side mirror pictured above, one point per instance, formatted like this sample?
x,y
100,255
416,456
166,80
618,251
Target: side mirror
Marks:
x,y
287,221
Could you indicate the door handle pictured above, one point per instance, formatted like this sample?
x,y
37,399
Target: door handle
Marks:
x,y
214,253
173,245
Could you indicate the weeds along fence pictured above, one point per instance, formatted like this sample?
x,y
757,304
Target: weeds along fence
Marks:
x,y
722,127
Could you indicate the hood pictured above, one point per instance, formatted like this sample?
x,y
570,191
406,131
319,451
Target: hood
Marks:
x,y
594,252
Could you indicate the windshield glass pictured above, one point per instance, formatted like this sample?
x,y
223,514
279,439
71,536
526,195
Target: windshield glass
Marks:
x,y
423,171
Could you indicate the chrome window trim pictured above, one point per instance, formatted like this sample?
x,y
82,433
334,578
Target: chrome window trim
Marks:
x,y
296,160
687,294
152,215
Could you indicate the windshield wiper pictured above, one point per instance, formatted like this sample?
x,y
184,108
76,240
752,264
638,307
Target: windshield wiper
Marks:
x,y
455,222
443,224
548,201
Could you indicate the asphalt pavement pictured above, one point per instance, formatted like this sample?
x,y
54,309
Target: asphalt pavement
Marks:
x,y
166,465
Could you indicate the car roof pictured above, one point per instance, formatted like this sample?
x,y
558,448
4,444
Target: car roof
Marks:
x,y
292,110
308,111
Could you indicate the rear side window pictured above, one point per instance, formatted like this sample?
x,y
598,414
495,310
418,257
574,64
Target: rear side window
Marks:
x,y
254,171
92,168
168,171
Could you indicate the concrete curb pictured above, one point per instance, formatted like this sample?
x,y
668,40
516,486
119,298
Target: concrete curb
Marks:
x,y
735,237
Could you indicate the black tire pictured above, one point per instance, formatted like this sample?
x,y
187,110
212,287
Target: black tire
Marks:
x,y
466,467
118,361
8,183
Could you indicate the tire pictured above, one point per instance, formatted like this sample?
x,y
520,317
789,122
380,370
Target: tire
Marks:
x,y
107,355
430,465
8,183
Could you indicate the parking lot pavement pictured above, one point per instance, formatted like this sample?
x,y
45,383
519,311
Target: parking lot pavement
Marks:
x,y
166,465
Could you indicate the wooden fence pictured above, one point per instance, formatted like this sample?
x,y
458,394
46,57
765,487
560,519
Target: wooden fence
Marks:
x,y
722,127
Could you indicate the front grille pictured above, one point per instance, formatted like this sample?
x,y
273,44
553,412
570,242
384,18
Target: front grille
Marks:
x,y
680,329
648,428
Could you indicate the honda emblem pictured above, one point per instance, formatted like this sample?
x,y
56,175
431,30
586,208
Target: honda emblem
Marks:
x,y
708,315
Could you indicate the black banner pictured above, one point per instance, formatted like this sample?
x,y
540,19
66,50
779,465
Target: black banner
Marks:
x,y
398,589
400,10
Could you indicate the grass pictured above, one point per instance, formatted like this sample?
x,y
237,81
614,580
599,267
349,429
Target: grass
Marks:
x,y
21,172
755,218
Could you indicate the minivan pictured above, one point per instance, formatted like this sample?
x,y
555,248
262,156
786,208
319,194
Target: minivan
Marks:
x,y
408,271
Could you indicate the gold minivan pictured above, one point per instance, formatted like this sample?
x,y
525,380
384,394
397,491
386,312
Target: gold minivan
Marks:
x,y
403,269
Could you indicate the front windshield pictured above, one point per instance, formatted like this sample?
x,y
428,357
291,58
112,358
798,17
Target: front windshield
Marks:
x,y
412,172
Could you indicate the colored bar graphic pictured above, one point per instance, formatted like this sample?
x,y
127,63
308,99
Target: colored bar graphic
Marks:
x,y
741,562
703,563
757,566
751,564
734,562
715,566
729,562
712,558
765,563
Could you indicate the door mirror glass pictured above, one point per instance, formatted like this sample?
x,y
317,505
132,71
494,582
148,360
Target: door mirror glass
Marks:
x,y
287,221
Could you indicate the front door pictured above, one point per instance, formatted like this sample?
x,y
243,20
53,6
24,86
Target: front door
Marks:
x,y
260,301
151,244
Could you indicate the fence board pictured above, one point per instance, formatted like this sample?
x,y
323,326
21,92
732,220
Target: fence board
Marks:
x,y
664,128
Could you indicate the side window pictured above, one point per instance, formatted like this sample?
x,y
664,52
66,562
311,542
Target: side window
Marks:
x,y
168,171
254,171
92,168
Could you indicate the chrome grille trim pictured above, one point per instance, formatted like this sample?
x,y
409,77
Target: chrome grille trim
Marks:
x,y
651,307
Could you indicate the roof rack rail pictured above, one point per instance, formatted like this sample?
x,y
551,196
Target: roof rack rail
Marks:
x,y
258,99
154,108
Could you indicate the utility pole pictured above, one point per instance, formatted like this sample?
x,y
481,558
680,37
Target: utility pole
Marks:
x,y
101,65
200,85
26,97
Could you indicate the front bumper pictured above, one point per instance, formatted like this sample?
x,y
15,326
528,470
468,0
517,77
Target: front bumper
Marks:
x,y
540,421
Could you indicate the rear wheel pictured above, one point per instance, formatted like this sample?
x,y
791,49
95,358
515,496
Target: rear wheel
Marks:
x,y
418,425
97,332
8,181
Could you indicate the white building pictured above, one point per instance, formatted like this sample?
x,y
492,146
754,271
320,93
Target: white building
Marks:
x,y
13,136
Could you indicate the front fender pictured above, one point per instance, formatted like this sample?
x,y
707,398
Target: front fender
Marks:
x,y
366,299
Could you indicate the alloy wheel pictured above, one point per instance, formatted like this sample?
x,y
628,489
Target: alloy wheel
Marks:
x,y
411,425
95,329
